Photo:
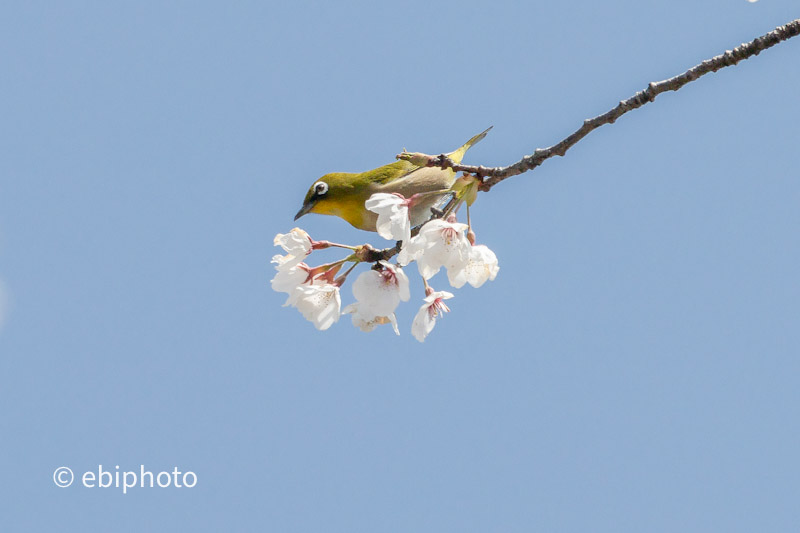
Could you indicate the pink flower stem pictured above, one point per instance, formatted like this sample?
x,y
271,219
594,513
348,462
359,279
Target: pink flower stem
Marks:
x,y
340,280
321,245
428,290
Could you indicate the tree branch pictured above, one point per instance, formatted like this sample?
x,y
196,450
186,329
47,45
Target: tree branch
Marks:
x,y
491,176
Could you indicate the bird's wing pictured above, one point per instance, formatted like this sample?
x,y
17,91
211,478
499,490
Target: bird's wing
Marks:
x,y
425,179
408,179
391,172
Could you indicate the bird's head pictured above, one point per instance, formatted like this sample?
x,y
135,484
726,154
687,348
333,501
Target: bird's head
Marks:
x,y
336,194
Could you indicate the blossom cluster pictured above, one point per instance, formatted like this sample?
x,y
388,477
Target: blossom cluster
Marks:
x,y
439,243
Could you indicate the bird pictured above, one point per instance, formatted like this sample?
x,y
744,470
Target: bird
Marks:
x,y
343,194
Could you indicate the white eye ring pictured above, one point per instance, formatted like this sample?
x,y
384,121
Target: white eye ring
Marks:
x,y
320,188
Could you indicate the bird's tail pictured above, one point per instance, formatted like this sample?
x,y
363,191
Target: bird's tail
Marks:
x,y
457,155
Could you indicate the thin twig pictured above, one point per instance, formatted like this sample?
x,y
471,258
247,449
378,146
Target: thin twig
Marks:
x,y
493,175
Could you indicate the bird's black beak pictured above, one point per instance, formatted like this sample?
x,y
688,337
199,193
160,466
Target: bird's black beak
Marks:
x,y
305,209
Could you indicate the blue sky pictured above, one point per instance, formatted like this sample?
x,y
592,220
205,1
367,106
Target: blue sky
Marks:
x,y
634,366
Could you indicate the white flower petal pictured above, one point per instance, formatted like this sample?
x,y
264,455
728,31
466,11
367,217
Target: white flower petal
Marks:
x,y
381,291
373,293
402,284
438,244
423,324
364,320
425,319
319,303
298,245
285,262
410,251
481,266
297,242
288,279
392,211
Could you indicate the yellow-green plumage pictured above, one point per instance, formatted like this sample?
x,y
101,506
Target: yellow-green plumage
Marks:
x,y
343,194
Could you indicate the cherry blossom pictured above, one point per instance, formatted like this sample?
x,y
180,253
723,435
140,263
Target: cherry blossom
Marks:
x,y
319,302
392,210
380,291
426,316
481,266
365,320
440,243
288,278
315,291
296,243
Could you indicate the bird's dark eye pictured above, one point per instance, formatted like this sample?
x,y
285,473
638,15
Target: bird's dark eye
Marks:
x,y
320,188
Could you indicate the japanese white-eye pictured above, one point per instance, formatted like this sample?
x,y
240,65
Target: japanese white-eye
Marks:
x,y
343,194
